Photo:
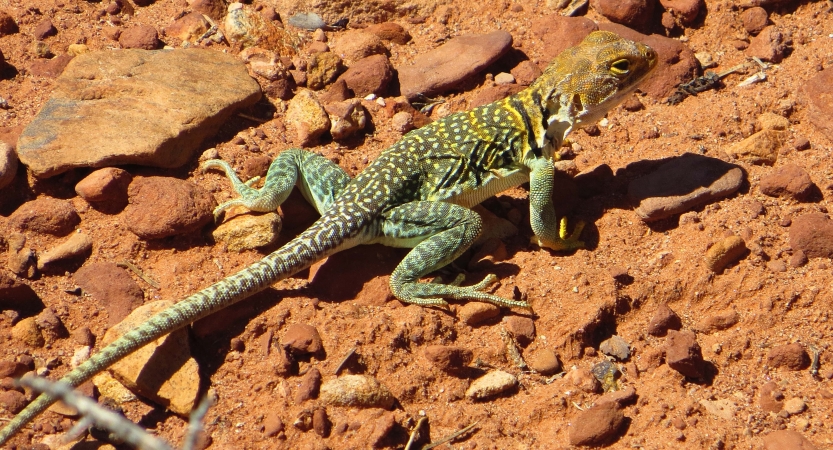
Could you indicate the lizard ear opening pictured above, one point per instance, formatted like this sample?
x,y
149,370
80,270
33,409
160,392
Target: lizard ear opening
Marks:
x,y
620,67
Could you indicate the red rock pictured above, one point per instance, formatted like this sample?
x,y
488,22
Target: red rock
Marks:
x,y
320,422
108,184
45,215
526,72
683,354
309,387
684,10
597,425
83,336
50,68
317,47
14,369
812,234
801,143
390,31
51,325
620,398
544,361
631,13
754,20
354,45
560,33
112,287
270,14
44,29
336,92
163,206
788,180
798,259
216,9
188,27
584,379
817,92
789,356
17,295
491,94
770,45
370,75
522,328
113,8
381,428
771,399
272,425
787,440
256,166
12,401
301,339
140,36
717,322
7,24
664,319
676,63
448,358
446,66
476,313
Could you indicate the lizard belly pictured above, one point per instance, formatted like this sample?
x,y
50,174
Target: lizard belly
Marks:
x,y
493,185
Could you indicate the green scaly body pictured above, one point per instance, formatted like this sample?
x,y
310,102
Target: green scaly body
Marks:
x,y
417,194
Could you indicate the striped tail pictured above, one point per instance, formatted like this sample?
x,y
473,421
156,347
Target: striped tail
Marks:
x,y
323,238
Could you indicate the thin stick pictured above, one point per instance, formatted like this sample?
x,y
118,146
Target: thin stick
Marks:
x,y
195,422
129,265
411,445
131,433
450,437
345,359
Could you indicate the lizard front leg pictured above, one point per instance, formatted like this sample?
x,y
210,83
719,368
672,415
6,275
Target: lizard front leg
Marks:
x,y
319,180
438,232
549,231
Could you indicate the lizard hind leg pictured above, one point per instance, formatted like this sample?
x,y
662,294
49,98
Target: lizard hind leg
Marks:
x,y
438,233
319,180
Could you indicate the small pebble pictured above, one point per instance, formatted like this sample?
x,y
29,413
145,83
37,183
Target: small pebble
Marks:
x,y
361,391
491,384
302,339
77,245
794,406
476,313
544,361
307,21
504,78
617,347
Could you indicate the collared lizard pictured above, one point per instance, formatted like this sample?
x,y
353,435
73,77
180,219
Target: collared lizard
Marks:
x,y
416,194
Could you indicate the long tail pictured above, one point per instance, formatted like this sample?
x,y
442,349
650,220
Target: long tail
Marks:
x,y
324,237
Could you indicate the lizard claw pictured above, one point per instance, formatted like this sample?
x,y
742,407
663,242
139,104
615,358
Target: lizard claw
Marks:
x,y
563,242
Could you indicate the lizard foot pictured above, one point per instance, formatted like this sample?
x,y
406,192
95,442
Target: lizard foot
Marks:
x,y
563,242
431,294
250,198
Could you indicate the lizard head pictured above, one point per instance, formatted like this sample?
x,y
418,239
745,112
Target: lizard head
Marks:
x,y
584,82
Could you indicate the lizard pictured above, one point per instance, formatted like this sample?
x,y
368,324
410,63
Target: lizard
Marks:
x,y
417,194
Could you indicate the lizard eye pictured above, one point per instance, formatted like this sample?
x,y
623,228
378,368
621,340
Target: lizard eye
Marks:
x,y
620,67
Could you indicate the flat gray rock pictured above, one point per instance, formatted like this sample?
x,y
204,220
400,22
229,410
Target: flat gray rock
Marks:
x,y
682,184
446,66
151,108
